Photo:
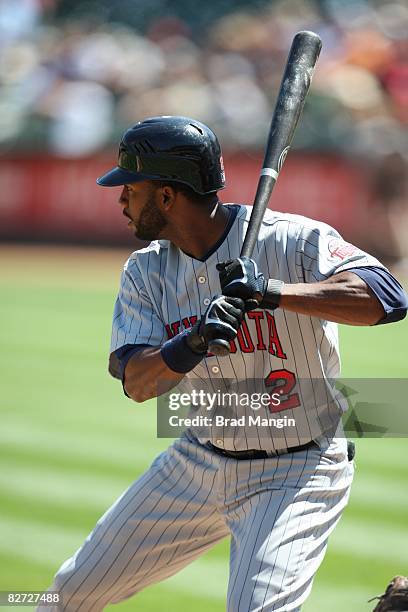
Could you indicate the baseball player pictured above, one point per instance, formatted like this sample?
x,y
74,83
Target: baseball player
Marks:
x,y
277,496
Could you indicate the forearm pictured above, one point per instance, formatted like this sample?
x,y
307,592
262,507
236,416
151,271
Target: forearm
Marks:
x,y
342,298
154,370
147,375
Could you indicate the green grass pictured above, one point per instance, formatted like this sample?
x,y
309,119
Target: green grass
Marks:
x,y
71,443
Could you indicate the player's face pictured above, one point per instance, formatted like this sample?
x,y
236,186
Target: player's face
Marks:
x,y
139,202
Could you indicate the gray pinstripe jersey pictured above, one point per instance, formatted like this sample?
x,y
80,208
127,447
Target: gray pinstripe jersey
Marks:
x,y
279,511
164,290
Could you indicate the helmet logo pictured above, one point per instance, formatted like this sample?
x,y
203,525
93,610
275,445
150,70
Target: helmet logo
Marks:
x,y
222,168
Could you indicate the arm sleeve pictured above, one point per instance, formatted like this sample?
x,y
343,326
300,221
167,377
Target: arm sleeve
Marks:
x,y
135,321
119,358
388,291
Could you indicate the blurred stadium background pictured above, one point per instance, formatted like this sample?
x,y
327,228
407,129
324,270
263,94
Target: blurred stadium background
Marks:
x,y
73,75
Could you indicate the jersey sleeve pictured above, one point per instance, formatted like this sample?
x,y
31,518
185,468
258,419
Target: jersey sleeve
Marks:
x,y
388,290
135,320
322,252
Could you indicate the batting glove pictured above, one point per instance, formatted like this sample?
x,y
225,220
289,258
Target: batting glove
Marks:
x,y
221,320
240,278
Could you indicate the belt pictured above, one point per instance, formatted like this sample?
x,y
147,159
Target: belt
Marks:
x,y
260,454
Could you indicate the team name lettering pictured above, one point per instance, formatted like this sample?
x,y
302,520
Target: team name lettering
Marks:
x,y
174,328
248,341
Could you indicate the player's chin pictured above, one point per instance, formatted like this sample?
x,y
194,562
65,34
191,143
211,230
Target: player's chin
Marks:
x,y
133,228
143,233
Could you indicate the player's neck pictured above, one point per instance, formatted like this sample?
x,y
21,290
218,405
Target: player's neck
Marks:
x,y
200,229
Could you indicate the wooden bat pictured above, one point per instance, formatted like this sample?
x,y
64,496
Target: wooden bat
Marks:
x,y
295,85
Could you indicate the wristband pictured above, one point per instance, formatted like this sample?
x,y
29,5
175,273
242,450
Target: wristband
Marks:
x,y
272,296
178,356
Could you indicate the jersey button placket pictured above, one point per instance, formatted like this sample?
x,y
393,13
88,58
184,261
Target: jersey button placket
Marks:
x,y
202,279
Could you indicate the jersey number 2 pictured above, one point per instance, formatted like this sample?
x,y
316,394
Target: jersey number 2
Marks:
x,y
283,383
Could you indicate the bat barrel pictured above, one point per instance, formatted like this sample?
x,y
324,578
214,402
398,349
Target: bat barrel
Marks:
x,y
295,84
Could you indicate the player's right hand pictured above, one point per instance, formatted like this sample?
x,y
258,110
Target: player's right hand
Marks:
x,y
222,319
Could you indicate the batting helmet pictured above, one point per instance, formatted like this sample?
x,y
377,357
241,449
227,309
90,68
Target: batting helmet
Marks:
x,y
169,148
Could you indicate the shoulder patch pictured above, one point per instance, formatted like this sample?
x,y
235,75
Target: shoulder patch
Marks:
x,y
339,249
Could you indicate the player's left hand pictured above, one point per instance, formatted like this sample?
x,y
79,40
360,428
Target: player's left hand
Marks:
x,y
241,278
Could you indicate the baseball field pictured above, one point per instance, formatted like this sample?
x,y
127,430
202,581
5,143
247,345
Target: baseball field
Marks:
x,y
71,442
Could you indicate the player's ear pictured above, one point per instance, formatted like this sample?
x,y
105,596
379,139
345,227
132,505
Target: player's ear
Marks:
x,y
167,196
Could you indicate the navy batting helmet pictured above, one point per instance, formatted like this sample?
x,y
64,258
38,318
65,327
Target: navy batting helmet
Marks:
x,y
169,148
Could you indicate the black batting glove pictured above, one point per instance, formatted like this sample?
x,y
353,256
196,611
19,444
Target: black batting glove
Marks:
x,y
241,278
197,343
221,320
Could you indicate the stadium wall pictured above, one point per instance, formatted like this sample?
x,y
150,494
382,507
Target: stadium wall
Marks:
x,y
53,199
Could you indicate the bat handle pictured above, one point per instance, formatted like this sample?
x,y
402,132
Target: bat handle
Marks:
x,y
219,347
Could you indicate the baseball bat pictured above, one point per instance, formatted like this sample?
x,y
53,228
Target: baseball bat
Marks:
x,y
295,84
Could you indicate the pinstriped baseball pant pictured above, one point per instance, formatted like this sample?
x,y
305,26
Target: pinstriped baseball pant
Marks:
x,y
278,512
